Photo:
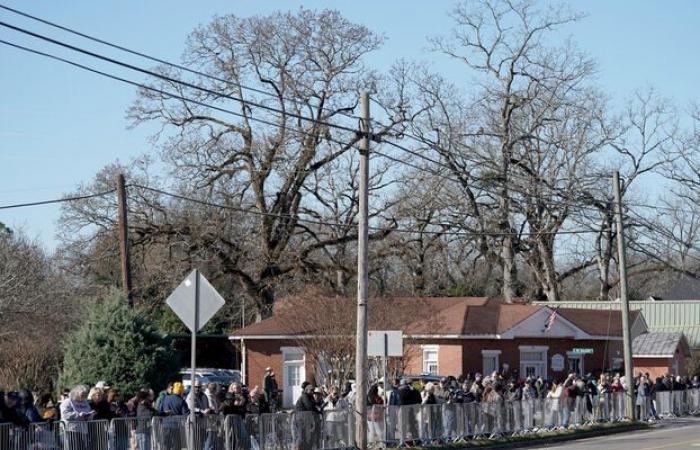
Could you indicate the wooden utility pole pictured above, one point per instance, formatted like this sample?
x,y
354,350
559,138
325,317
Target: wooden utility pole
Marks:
x,y
123,226
362,284
624,301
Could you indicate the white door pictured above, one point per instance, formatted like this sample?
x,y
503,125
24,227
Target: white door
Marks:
x,y
293,375
292,383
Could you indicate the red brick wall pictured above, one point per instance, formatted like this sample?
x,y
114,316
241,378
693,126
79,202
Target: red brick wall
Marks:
x,y
264,353
656,367
454,357
450,362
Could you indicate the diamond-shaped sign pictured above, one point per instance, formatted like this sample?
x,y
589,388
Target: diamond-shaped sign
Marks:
x,y
182,301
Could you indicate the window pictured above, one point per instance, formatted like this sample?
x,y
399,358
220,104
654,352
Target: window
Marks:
x,y
293,355
430,359
490,361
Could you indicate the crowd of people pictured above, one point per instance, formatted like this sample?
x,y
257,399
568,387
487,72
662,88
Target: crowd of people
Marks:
x,y
329,405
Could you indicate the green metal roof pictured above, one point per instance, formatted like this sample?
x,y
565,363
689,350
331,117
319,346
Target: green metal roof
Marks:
x,y
663,315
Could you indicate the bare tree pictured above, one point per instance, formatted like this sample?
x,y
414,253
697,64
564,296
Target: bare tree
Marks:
x,y
524,86
276,159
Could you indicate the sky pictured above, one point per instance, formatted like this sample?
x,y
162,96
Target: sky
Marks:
x,y
60,125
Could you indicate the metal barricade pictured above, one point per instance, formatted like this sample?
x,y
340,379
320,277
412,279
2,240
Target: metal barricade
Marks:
x,y
431,429
44,436
579,414
664,404
236,434
619,406
392,431
337,431
491,420
307,430
207,432
528,408
455,422
409,424
694,401
131,433
274,432
375,424
679,403
169,433
85,435
551,412
513,417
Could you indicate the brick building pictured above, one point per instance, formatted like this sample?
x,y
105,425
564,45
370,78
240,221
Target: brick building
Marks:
x,y
659,353
458,335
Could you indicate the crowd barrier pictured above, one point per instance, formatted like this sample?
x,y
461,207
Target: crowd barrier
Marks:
x,y
386,426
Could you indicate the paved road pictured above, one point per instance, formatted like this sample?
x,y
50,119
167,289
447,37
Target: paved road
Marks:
x,y
680,434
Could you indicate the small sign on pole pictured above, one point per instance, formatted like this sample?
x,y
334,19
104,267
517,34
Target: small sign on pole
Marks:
x,y
379,342
194,301
384,344
582,351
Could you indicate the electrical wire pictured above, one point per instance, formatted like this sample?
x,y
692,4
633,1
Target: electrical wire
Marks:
x,y
155,59
175,80
193,86
58,200
329,223
166,93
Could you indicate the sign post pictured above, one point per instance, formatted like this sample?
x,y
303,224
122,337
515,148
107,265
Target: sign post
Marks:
x,y
194,301
385,344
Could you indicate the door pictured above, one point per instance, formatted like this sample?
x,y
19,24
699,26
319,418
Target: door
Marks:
x,y
529,370
292,383
293,366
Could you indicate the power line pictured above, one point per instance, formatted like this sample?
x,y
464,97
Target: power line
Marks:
x,y
342,224
175,80
159,60
166,93
58,200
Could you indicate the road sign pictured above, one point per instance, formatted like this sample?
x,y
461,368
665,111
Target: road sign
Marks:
x,y
582,351
182,301
195,301
377,340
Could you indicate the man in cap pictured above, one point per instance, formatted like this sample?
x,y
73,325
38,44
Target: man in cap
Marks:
x,y
270,388
102,385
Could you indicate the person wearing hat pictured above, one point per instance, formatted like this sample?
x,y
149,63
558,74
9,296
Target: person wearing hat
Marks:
x,y
173,404
270,389
102,385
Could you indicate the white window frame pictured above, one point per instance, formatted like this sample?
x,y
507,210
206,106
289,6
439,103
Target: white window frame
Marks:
x,y
580,357
297,350
427,363
544,362
496,354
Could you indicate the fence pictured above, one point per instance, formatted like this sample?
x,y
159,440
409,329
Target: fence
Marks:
x,y
393,425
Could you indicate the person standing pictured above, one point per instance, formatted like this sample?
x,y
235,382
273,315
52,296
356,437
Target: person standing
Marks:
x,y
271,389
75,411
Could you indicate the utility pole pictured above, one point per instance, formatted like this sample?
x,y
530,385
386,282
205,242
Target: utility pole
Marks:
x,y
124,239
362,284
624,301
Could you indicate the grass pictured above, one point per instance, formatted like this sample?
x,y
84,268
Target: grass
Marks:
x,y
553,436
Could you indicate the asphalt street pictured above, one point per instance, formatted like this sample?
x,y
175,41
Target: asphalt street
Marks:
x,y
678,434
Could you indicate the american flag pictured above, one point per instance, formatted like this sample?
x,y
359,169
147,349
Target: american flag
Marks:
x,y
550,320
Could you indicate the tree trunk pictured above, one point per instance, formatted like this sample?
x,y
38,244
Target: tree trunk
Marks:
x,y
604,244
510,270
549,283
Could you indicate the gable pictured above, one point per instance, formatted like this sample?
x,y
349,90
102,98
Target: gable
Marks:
x,y
534,326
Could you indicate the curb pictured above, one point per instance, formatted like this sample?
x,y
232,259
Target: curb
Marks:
x,y
546,441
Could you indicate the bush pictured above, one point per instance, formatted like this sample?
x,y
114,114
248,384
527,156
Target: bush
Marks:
x,y
117,345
